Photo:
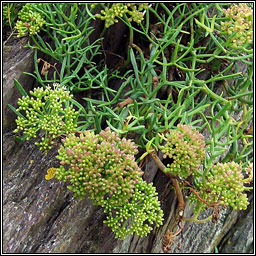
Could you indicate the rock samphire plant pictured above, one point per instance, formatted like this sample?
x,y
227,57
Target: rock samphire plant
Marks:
x,y
103,165
173,89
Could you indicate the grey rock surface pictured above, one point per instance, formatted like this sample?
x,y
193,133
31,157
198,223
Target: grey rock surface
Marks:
x,y
16,60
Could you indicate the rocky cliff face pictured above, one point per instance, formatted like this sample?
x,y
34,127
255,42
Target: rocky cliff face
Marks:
x,y
42,216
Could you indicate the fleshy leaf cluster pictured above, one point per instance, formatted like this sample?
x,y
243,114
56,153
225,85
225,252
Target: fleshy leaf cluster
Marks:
x,y
49,110
185,148
30,21
239,25
103,166
133,10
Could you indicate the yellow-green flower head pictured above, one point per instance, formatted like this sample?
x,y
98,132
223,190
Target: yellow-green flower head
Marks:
x,y
226,185
103,166
45,110
134,10
30,21
239,24
138,214
185,148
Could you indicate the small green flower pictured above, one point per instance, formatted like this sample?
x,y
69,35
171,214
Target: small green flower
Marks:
x,y
138,214
101,165
225,185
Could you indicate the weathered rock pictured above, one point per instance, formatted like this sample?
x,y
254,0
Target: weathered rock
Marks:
x,y
239,239
16,60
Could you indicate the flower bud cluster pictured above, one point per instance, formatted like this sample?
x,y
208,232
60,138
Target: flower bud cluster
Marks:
x,y
134,10
46,111
138,214
225,184
185,148
104,167
240,24
30,21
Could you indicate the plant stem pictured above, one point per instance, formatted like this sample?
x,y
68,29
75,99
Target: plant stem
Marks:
x,y
174,179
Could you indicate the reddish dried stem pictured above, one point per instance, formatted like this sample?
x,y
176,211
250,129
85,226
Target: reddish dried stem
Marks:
x,y
197,195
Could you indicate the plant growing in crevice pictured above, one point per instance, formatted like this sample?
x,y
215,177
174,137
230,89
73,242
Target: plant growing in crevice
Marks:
x,y
218,185
100,163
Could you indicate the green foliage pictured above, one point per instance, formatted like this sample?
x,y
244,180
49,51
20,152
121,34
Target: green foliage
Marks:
x,y
185,148
69,29
48,110
10,13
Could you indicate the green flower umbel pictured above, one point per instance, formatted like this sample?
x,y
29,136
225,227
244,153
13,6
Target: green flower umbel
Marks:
x,y
133,10
185,147
49,110
239,25
30,21
104,167
138,214
226,185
